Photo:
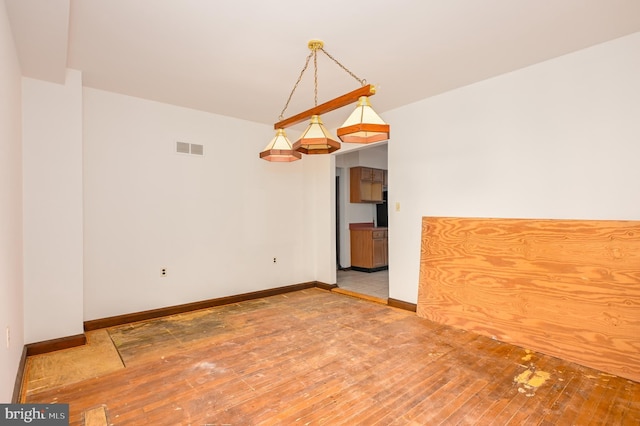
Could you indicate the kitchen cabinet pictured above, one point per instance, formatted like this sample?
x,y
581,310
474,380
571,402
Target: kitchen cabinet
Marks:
x,y
366,185
369,249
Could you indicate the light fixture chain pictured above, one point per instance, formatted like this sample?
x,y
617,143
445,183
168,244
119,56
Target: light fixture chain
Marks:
x,y
315,76
362,81
295,86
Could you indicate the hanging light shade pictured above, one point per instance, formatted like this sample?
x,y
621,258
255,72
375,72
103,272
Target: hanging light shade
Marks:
x,y
364,125
279,149
316,139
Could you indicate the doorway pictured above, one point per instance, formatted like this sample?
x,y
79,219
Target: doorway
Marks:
x,y
373,284
338,266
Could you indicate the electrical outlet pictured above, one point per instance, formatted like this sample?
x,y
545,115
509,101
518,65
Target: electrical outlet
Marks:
x,y
8,337
163,272
275,260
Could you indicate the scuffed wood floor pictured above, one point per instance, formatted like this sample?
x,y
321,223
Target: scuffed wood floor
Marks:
x,y
316,357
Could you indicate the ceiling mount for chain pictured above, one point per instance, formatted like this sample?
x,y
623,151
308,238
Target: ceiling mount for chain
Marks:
x,y
315,45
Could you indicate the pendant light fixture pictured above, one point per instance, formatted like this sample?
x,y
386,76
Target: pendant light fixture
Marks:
x,y
279,149
363,126
316,139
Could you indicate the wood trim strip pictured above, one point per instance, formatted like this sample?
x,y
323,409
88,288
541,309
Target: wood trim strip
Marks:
x,y
339,102
194,306
17,387
401,304
55,344
360,295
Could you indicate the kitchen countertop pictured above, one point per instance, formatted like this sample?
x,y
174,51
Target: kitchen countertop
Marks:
x,y
368,226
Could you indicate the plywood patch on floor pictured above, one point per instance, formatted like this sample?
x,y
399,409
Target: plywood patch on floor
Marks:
x,y
47,371
96,417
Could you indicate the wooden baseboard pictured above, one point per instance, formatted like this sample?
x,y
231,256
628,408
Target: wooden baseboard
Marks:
x,y
55,344
17,388
402,305
187,307
326,286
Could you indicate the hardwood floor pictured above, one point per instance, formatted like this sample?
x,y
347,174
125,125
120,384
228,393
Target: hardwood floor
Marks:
x,y
318,357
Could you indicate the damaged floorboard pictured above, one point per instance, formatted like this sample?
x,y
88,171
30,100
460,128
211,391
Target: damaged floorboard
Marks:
x,y
317,357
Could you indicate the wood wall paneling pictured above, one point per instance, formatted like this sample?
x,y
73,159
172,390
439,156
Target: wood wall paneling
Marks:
x,y
568,288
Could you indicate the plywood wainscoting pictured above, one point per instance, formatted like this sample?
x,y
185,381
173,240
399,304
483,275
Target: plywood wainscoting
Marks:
x,y
568,288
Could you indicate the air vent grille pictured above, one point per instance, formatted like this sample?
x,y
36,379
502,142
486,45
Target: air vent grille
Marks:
x,y
182,147
197,149
189,148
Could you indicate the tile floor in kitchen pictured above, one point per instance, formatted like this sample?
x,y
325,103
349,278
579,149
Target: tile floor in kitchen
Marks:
x,y
370,283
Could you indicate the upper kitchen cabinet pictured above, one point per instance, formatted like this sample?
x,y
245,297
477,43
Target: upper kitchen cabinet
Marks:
x,y
366,185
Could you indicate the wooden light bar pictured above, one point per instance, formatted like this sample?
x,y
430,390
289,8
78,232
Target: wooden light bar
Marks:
x,y
339,102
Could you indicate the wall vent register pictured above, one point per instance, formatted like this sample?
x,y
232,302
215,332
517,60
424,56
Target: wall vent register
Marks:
x,y
189,148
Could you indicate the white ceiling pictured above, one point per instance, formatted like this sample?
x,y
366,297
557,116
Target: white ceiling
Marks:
x,y
241,58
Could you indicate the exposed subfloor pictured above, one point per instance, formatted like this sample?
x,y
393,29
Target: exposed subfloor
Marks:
x,y
317,357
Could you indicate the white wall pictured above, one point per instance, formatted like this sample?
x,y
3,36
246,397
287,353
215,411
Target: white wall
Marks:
x,y
11,258
11,276
52,150
215,222
560,139
374,156
319,228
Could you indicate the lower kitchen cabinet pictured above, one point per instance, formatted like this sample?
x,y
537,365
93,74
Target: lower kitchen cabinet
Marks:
x,y
369,249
